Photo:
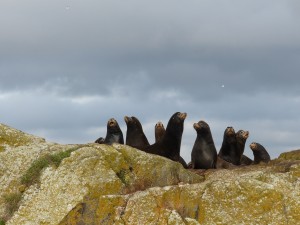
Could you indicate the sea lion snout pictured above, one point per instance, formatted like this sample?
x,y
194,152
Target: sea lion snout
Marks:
x,y
182,115
196,126
127,119
246,134
111,122
159,124
230,131
242,134
253,146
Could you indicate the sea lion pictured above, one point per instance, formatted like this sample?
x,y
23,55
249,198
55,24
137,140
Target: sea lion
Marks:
x,y
229,150
113,134
223,164
159,131
135,136
169,145
241,138
260,153
100,140
204,153
245,160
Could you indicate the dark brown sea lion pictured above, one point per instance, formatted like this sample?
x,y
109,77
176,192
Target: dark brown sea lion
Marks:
x,y
135,136
229,151
260,153
169,145
113,134
100,140
204,153
241,138
222,164
159,131
245,160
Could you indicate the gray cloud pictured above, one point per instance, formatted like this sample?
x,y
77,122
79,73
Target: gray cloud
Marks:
x,y
66,67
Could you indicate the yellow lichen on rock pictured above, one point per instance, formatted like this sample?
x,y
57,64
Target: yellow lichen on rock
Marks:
x,y
293,155
101,184
110,208
10,137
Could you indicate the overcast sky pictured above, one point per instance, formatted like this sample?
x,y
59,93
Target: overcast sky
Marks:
x,y
67,66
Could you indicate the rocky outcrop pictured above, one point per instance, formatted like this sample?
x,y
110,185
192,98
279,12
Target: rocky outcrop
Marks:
x,y
100,184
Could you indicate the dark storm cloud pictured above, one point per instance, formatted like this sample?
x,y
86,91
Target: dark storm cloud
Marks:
x,y
86,47
67,66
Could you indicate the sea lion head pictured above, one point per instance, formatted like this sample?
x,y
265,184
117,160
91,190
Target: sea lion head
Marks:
x,y
182,116
178,117
112,122
229,131
113,126
127,119
132,122
242,134
159,131
159,125
253,146
175,124
201,126
229,135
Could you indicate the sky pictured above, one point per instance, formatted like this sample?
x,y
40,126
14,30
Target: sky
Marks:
x,y
67,66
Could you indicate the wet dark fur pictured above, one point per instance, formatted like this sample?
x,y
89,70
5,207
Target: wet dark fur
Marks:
x,y
204,153
100,140
229,150
113,134
135,136
159,131
245,160
241,138
169,145
260,153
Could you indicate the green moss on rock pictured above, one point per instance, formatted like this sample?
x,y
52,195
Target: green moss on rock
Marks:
x,y
12,137
12,201
292,155
101,184
33,173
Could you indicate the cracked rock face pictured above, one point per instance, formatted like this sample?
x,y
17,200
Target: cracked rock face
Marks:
x,y
101,184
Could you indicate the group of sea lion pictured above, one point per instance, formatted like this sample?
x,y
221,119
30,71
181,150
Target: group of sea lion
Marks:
x,y
168,141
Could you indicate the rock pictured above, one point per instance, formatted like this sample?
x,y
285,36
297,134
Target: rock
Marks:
x,y
293,155
12,138
91,172
100,184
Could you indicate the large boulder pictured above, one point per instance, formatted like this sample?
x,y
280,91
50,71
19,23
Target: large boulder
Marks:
x,y
100,184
